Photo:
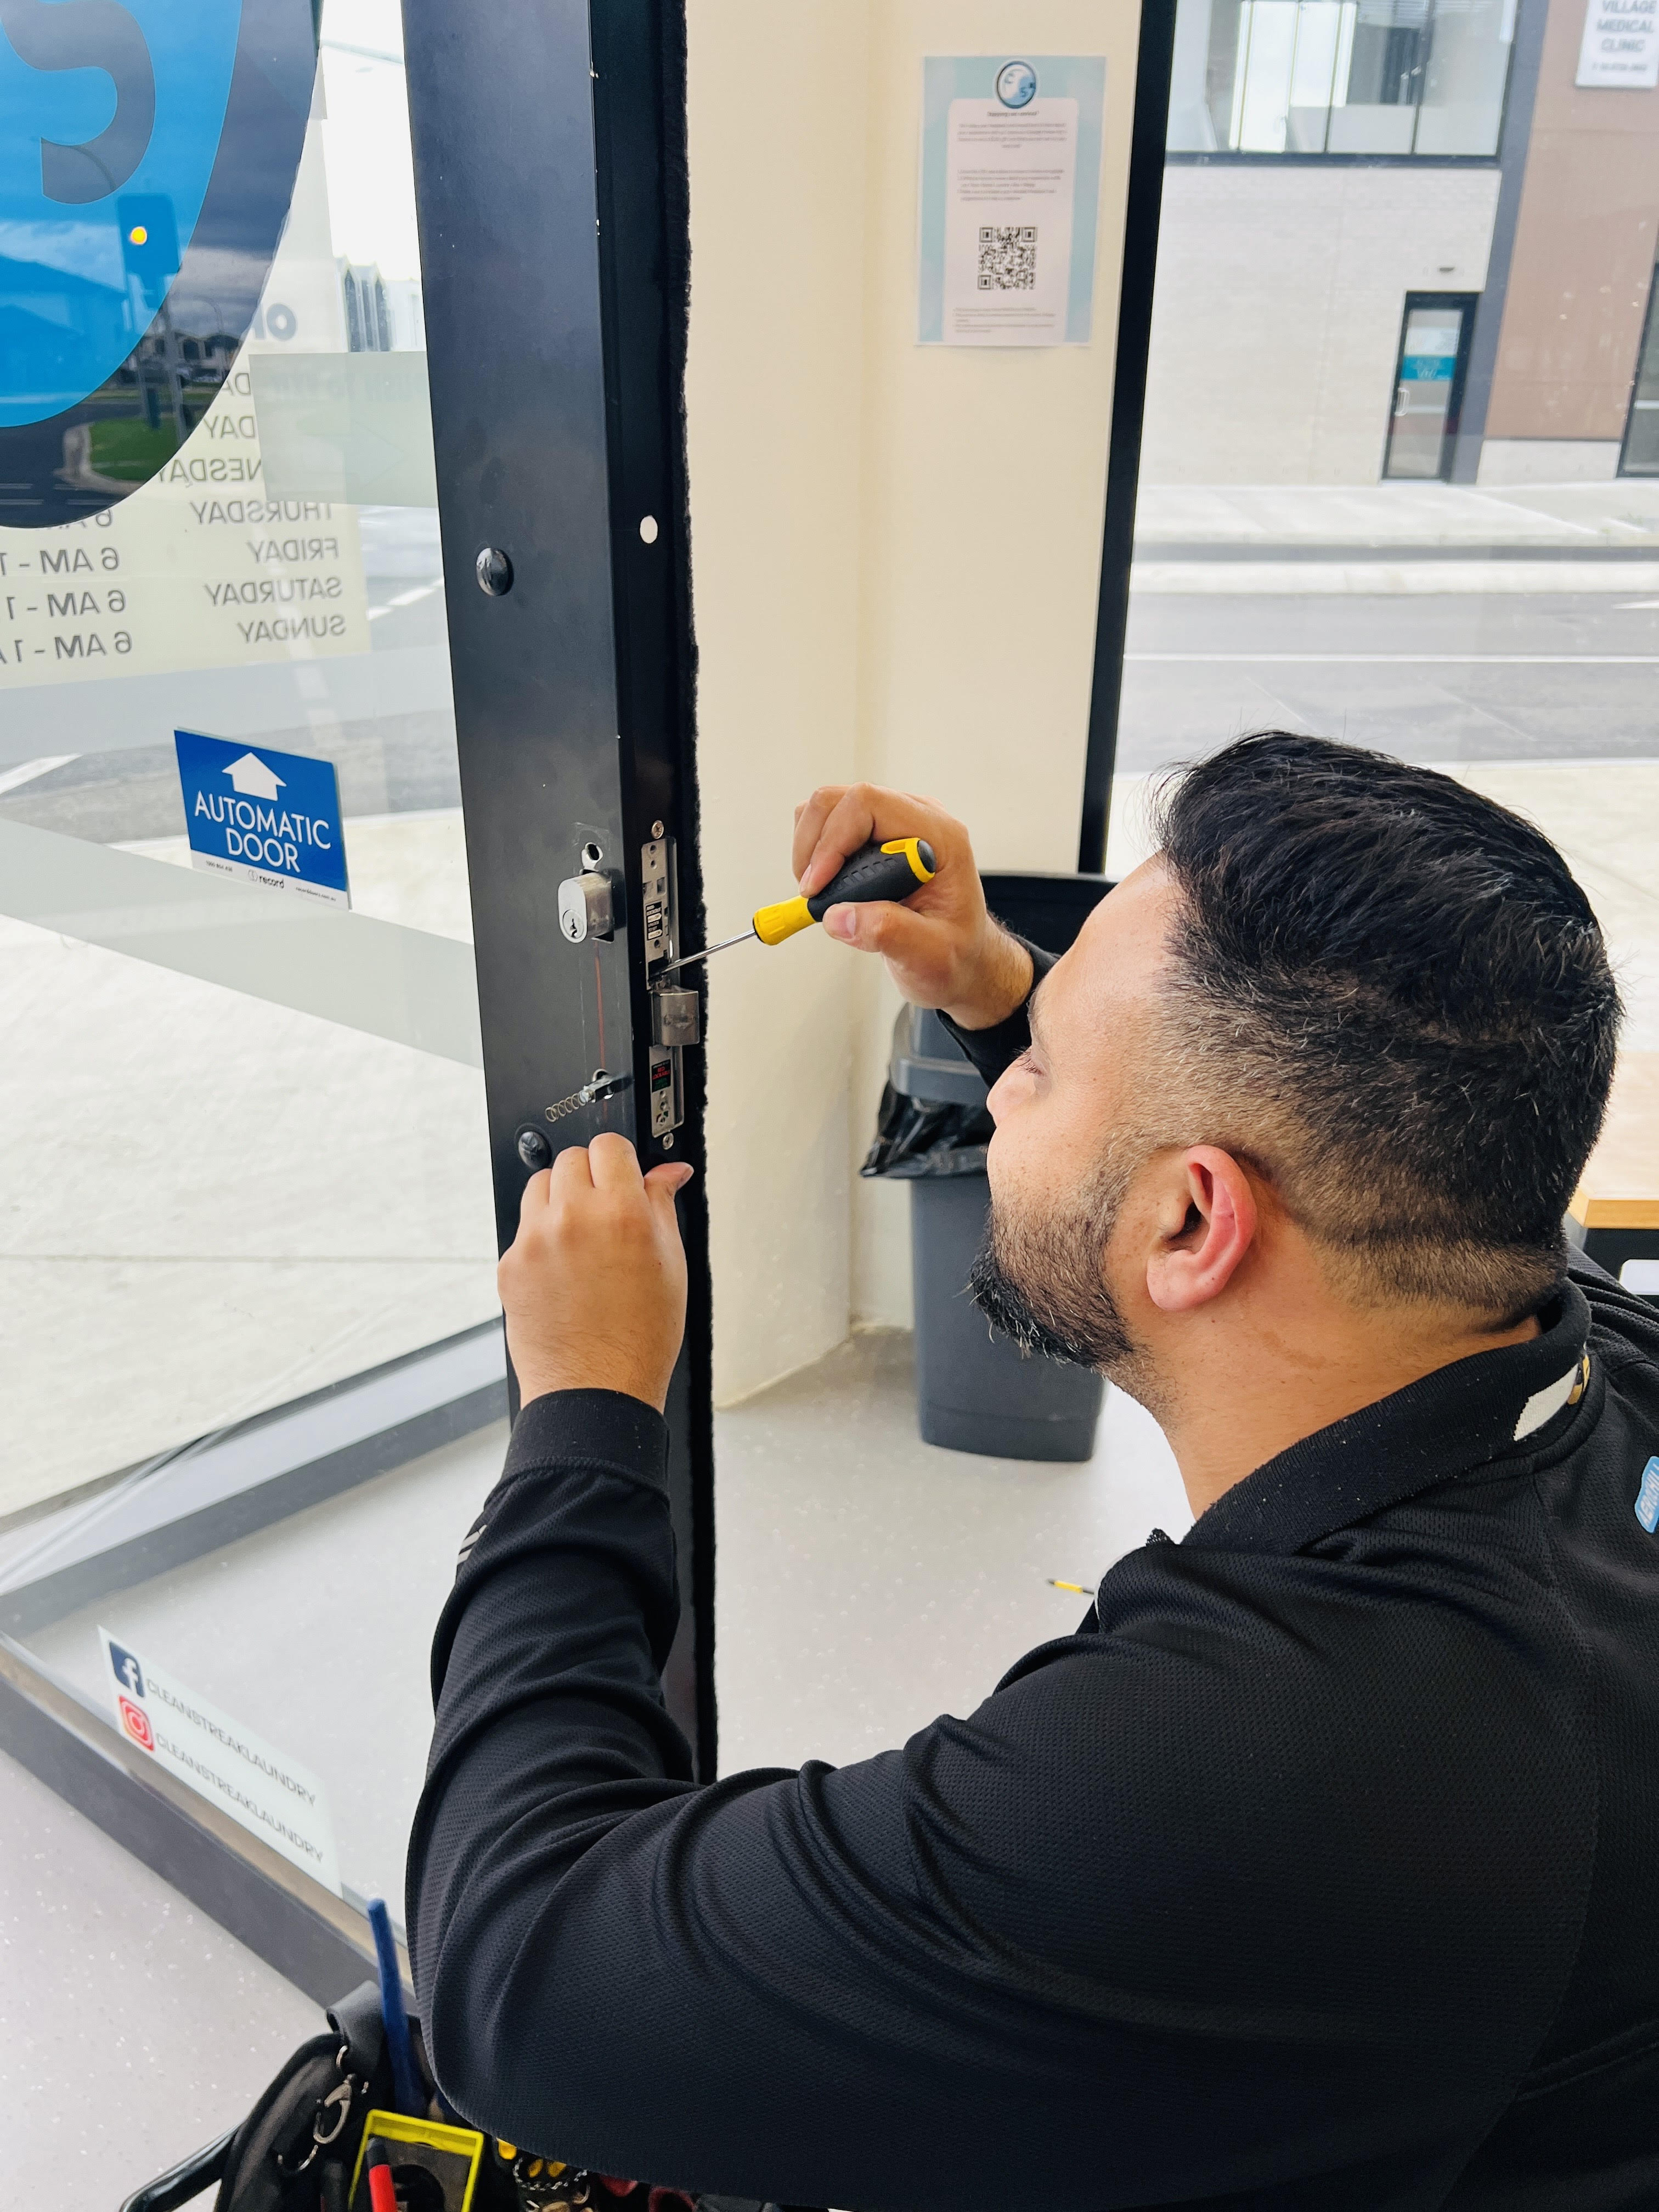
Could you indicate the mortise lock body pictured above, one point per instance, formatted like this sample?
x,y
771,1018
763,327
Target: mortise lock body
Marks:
x,y
676,1014
591,906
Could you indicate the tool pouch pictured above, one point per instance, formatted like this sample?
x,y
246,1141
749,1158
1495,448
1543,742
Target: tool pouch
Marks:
x,y
297,2149
310,2119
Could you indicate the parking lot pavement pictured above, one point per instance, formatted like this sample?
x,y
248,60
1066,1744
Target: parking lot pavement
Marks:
x,y
235,1202
1478,676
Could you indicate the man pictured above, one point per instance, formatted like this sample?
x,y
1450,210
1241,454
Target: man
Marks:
x,y
1316,1868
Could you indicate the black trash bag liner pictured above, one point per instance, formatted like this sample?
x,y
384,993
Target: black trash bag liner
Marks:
x,y
933,1119
916,1137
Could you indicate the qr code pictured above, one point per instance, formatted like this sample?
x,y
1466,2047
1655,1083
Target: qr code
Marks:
x,y
1007,257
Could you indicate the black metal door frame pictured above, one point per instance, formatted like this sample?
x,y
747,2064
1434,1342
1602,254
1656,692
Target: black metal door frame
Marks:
x,y
1142,214
550,161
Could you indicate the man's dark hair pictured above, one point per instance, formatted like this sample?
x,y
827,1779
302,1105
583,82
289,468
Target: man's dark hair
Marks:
x,y
1400,984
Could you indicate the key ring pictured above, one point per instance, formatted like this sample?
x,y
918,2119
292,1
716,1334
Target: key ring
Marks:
x,y
341,2097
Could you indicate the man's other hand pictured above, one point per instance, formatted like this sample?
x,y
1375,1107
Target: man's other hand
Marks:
x,y
941,947
593,1285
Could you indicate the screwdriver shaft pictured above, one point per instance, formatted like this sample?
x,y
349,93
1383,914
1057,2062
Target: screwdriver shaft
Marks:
x,y
892,871
690,959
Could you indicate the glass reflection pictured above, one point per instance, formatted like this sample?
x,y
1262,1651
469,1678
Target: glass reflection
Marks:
x,y
148,154
1340,77
291,1295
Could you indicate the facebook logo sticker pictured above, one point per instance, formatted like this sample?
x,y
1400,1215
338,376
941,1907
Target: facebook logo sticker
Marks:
x,y
1647,1497
131,1675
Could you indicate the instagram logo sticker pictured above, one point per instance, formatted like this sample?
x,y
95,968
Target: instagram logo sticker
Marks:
x,y
135,1720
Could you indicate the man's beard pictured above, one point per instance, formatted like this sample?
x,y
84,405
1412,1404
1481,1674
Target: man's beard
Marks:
x,y
1042,1282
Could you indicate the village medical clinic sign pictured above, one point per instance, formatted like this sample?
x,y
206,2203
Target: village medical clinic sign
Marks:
x,y
1621,47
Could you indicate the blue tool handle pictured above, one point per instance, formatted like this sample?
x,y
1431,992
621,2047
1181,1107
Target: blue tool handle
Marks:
x,y
405,2075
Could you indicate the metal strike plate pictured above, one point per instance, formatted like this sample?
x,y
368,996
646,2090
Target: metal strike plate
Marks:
x,y
588,907
676,1018
674,1024
657,902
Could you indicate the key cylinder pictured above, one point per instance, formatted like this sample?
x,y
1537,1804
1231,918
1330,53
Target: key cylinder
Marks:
x,y
588,907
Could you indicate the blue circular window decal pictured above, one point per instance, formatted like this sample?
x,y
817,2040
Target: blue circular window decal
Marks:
x,y
1017,84
147,154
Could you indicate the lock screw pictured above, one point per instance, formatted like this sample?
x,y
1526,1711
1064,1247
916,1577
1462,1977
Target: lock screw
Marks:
x,y
656,829
493,571
534,1150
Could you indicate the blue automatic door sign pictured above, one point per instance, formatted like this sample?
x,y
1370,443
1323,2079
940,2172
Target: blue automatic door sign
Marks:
x,y
270,817
147,153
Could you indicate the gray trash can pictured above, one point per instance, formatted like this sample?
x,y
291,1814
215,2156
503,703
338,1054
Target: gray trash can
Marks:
x,y
975,1392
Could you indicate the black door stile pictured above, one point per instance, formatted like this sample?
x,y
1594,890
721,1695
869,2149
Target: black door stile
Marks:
x,y
549,166
638,101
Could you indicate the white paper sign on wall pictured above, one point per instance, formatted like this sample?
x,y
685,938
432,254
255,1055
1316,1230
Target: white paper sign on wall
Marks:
x,y
1011,156
1621,46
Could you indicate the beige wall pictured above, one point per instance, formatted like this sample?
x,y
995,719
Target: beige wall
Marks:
x,y
1583,255
1276,321
775,412
895,553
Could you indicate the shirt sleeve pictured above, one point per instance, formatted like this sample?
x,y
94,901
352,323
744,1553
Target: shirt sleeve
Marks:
x,y
993,1049
1131,1930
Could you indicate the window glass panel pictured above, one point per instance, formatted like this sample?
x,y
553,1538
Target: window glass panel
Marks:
x,y
248,1190
1205,33
1391,45
1266,62
1399,484
1323,35
1464,82
1340,77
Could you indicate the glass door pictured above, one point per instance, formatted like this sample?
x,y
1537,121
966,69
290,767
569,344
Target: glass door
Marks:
x,y
1434,347
246,1266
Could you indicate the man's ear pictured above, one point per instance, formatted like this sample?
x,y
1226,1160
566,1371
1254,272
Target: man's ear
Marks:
x,y
1206,1222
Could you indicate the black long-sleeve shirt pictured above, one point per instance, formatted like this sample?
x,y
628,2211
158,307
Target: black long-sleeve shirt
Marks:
x,y
1317,1870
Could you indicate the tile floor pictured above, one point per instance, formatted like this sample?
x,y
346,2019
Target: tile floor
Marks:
x,y
132,2027
866,1581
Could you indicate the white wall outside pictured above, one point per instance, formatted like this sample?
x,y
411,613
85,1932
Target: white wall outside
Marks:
x,y
1548,460
1276,322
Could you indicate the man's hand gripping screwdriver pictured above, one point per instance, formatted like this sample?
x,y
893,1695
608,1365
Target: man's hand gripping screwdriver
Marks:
x,y
891,871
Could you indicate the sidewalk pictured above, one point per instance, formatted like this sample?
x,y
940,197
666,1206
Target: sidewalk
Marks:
x,y
1397,539
1198,521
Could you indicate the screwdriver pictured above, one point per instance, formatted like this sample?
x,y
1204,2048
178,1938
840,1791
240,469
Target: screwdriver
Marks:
x,y
891,871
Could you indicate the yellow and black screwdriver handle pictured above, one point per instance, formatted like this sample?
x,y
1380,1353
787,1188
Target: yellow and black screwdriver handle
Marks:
x,y
891,871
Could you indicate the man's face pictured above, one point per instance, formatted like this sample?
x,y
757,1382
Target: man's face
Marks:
x,y
1070,1137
